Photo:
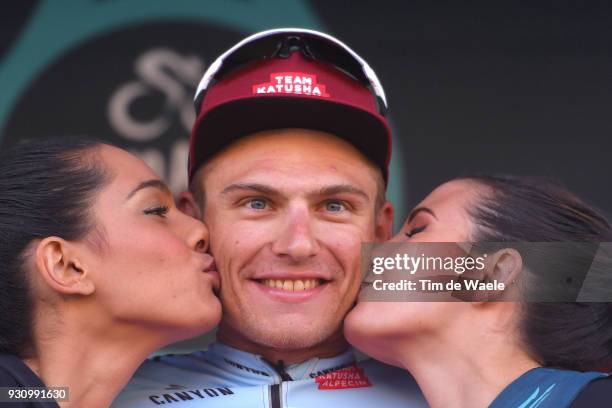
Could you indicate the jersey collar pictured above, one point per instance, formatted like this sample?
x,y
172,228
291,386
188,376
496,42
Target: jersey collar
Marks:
x,y
245,364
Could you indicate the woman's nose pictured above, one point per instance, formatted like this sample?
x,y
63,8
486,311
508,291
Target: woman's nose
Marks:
x,y
200,246
196,233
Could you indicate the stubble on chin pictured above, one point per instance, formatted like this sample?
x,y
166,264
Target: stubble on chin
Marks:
x,y
285,332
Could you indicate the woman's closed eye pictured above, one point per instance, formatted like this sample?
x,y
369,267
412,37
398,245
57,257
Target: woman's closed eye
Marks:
x,y
415,231
159,210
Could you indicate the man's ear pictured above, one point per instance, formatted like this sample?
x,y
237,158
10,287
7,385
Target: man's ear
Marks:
x,y
58,263
188,205
384,222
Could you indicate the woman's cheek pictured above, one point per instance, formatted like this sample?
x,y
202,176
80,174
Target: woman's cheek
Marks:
x,y
173,254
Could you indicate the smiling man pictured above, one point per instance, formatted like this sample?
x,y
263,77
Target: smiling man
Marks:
x,y
288,166
289,209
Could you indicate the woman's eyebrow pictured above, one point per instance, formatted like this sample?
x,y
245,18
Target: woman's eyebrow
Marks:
x,y
421,209
158,184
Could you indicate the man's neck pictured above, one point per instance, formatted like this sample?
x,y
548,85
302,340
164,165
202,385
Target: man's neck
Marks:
x,y
330,347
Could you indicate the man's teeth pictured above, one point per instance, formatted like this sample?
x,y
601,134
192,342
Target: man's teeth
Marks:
x,y
292,285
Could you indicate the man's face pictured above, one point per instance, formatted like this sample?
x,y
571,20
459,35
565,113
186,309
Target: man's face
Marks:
x,y
288,211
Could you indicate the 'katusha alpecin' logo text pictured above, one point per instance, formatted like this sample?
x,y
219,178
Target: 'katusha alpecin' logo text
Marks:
x,y
291,83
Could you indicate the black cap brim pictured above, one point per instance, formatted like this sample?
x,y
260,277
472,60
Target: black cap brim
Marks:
x,y
230,121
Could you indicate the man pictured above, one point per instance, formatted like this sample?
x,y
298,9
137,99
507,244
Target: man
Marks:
x,y
288,166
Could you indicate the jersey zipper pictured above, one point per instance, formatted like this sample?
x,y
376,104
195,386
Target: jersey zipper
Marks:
x,y
276,396
276,390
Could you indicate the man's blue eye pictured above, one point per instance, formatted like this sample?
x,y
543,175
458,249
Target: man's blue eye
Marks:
x,y
257,204
334,206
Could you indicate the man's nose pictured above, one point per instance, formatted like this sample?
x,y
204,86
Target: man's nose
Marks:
x,y
296,238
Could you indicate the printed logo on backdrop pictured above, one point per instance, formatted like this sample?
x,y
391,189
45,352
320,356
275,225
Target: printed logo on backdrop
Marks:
x,y
156,70
132,87
164,73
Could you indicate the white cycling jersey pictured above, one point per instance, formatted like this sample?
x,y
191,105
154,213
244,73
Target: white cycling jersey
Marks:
x,y
227,377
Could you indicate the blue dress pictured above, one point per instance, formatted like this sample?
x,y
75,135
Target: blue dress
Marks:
x,y
549,388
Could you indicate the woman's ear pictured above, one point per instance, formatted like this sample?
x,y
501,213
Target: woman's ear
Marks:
x,y
58,263
501,271
501,268
505,266
187,204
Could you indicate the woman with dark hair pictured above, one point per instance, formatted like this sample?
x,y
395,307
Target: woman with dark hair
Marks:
x,y
98,269
521,353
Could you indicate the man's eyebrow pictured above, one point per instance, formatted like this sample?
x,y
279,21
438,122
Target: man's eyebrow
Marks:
x,y
154,183
260,188
421,209
343,188
265,189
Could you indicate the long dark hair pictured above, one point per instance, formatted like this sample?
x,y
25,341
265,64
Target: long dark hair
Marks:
x,y
47,187
571,335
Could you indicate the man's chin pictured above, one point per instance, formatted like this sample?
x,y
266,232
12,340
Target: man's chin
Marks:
x,y
282,326
290,335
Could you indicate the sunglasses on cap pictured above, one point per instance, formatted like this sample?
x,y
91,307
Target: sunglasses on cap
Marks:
x,y
280,43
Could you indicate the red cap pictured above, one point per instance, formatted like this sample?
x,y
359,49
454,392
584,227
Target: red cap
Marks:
x,y
292,92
